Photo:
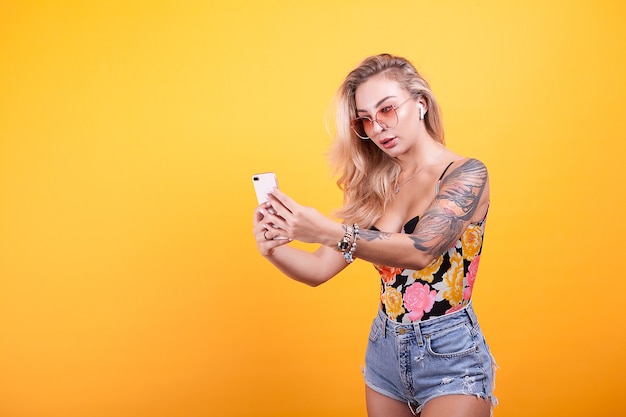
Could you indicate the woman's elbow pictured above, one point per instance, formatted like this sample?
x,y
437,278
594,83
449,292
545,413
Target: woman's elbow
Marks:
x,y
314,281
418,262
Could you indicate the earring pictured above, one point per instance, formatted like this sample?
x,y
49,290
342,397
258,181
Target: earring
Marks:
x,y
422,112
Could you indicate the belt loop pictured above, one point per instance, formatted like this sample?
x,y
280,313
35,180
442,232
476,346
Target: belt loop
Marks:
x,y
418,333
384,329
472,315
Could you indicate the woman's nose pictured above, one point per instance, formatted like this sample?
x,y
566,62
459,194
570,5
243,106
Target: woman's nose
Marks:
x,y
378,127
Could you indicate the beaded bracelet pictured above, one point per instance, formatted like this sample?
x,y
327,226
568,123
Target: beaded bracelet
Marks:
x,y
348,254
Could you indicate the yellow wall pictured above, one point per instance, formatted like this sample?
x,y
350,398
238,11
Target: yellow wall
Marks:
x,y
129,281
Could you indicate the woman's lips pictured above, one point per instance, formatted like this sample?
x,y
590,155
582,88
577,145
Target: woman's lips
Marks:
x,y
388,142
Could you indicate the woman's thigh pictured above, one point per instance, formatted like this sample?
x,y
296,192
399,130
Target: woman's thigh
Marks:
x,y
379,405
457,406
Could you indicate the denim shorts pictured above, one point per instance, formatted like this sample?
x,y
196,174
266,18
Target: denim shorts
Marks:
x,y
417,362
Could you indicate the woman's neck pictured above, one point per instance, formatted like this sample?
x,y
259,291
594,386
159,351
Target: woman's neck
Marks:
x,y
421,157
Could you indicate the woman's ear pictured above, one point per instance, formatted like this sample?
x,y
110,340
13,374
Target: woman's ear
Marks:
x,y
422,111
423,106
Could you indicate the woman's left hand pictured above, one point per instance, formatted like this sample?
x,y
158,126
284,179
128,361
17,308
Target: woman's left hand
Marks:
x,y
301,223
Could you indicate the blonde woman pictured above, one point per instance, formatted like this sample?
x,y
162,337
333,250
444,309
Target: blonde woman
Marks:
x,y
417,212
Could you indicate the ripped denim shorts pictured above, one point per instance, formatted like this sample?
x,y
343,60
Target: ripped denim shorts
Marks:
x,y
417,362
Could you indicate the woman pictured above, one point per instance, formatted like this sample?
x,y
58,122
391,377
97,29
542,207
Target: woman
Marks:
x,y
415,210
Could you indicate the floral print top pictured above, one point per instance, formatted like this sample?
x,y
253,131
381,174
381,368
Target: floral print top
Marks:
x,y
442,287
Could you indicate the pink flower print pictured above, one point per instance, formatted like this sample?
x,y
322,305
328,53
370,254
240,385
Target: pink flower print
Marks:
x,y
418,299
467,294
471,278
472,271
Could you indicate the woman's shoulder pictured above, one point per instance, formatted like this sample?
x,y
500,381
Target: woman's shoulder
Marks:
x,y
464,173
462,166
466,184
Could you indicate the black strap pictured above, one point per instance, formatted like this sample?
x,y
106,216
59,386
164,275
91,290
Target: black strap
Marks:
x,y
444,171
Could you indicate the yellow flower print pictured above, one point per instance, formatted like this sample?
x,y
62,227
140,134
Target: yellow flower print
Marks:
x,y
471,241
427,274
454,280
392,298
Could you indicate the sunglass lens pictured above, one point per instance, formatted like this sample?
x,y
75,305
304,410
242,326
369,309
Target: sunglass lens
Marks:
x,y
358,125
387,116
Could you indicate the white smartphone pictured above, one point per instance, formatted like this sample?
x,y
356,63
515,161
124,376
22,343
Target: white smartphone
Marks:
x,y
263,184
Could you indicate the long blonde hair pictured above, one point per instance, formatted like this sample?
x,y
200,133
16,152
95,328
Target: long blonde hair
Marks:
x,y
366,174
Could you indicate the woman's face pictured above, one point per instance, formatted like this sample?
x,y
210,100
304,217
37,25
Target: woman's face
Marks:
x,y
382,99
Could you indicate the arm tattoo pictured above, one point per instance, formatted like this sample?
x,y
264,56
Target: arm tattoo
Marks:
x,y
370,235
455,205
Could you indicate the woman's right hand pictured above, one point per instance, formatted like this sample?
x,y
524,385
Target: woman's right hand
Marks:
x,y
267,239
311,268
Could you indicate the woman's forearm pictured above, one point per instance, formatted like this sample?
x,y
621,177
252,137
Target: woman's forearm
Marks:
x,y
311,268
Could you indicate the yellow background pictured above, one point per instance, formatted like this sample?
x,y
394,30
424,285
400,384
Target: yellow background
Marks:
x,y
129,280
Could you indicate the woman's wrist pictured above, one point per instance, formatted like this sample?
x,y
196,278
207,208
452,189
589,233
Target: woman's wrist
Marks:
x,y
334,235
347,244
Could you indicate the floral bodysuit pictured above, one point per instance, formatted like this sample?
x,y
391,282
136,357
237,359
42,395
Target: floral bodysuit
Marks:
x,y
442,287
